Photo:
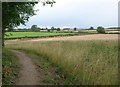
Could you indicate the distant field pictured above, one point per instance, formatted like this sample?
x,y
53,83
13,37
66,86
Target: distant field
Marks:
x,y
16,35
19,35
68,38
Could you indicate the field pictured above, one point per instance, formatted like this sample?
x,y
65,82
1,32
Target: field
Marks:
x,y
17,35
67,38
89,61
68,43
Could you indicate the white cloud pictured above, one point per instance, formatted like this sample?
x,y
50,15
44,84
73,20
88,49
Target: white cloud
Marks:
x,y
79,13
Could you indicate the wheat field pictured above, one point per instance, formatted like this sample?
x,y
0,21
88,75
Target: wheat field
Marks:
x,y
90,62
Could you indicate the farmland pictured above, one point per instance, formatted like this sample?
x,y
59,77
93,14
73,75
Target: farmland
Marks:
x,y
71,43
17,35
91,62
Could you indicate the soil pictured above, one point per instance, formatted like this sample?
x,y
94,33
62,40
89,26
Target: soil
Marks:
x,y
28,74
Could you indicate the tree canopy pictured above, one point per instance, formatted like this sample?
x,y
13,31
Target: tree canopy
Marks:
x,y
101,30
34,27
16,13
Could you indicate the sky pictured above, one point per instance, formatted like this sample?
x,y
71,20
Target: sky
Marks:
x,y
76,13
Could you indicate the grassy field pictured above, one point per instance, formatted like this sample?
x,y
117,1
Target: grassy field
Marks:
x,y
89,62
51,74
10,67
32,34
18,35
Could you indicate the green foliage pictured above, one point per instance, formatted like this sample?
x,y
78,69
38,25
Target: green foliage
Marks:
x,y
48,2
9,67
58,29
34,28
91,28
48,30
18,35
52,28
101,30
75,29
16,13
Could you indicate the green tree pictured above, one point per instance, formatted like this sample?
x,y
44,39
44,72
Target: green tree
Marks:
x,y
52,28
58,29
101,30
75,29
16,13
34,27
48,2
91,28
48,30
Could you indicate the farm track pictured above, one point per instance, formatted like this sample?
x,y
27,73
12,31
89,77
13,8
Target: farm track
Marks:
x,y
42,73
68,38
28,74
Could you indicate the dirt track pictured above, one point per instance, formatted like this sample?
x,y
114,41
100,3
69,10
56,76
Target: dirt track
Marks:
x,y
70,38
28,74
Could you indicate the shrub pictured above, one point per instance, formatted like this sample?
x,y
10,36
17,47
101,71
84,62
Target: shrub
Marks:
x,y
101,30
91,28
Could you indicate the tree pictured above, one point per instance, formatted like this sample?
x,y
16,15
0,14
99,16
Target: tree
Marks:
x,y
101,29
16,13
34,27
91,28
48,2
48,30
75,29
52,28
58,29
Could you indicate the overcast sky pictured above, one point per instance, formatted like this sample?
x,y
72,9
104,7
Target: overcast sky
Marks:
x,y
76,13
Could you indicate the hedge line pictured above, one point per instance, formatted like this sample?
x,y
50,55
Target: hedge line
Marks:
x,y
40,36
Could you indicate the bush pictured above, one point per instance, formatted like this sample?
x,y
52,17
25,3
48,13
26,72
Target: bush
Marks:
x,y
101,30
91,28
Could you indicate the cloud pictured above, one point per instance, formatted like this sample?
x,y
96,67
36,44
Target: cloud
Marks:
x,y
79,13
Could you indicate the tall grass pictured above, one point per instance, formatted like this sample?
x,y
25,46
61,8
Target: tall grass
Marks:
x,y
10,67
90,62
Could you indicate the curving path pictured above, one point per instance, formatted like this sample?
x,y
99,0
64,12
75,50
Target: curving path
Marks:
x,y
28,74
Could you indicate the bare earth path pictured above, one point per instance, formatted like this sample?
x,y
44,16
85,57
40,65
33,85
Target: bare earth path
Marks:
x,y
42,73
28,74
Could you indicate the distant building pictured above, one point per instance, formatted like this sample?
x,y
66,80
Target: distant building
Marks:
x,y
21,30
66,29
43,30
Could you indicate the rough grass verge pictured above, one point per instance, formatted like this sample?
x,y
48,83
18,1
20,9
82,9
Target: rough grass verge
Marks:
x,y
10,67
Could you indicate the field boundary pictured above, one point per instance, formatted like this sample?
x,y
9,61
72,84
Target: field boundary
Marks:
x,y
48,36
